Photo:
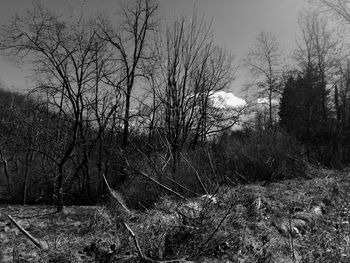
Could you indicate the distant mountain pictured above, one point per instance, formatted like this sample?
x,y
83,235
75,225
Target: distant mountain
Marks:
x,y
224,100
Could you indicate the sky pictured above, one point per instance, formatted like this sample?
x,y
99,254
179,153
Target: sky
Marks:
x,y
236,23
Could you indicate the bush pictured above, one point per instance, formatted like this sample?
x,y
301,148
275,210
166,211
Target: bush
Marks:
x,y
240,157
263,155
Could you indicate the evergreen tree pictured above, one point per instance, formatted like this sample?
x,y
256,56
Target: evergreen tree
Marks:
x,y
302,108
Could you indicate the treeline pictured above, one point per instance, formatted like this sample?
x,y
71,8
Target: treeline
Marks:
x,y
307,97
105,97
133,101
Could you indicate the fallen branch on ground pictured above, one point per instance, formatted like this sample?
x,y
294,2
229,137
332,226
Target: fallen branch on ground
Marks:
x,y
115,196
131,232
140,253
29,236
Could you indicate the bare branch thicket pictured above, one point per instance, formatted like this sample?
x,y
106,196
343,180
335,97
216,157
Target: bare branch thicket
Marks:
x,y
338,76
131,43
317,53
340,8
316,45
191,69
69,60
264,64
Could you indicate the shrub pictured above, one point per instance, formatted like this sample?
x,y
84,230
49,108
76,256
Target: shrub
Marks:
x,y
263,155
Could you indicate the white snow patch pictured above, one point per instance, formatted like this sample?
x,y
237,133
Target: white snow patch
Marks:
x,y
266,101
223,100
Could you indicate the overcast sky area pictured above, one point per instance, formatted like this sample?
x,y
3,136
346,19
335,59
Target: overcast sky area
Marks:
x,y
236,23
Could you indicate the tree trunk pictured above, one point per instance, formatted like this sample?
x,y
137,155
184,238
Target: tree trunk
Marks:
x,y
176,158
87,177
126,119
59,189
7,175
270,110
25,178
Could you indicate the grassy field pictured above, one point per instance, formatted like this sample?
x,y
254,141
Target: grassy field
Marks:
x,y
290,221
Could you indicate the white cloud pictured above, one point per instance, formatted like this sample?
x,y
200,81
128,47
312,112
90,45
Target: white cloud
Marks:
x,y
266,101
223,100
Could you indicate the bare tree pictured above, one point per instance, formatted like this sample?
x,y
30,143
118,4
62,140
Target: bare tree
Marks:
x,y
63,57
150,109
21,129
132,44
340,8
264,64
192,69
317,52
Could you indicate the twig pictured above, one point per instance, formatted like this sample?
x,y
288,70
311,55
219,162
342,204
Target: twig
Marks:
x,y
132,234
31,238
163,175
291,236
211,197
181,186
162,185
215,230
241,176
140,253
210,162
229,180
197,175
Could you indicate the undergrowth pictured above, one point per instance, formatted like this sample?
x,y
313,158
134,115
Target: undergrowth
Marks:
x,y
290,221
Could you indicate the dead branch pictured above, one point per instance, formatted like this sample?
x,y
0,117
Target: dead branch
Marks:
x,y
210,162
140,253
163,175
196,172
29,236
115,196
162,185
215,230
132,234
229,180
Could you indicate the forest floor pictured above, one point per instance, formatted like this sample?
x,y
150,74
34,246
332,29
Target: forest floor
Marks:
x,y
289,221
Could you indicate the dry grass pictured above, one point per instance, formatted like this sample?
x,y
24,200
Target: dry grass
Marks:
x,y
291,221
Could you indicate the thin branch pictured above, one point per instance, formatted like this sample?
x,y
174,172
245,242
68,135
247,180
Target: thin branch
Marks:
x,y
132,234
29,236
163,175
196,172
162,185
140,253
215,231
115,196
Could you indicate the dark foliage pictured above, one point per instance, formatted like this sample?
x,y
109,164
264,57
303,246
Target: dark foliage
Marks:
x,y
311,113
263,155
303,111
